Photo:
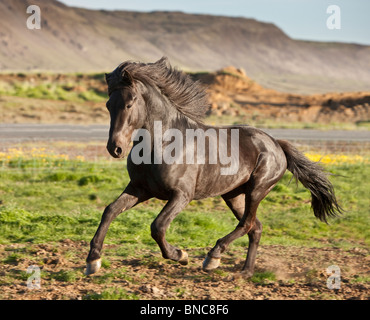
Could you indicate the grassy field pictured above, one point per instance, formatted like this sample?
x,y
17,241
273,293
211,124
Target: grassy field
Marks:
x,y
49,198
71,87
51,205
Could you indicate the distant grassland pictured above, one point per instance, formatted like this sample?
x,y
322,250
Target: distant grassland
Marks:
x,y
68,87
47,198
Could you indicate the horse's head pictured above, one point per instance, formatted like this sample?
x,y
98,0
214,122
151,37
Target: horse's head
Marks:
x,y
127,112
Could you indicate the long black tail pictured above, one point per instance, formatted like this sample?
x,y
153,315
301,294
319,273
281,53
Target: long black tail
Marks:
x,y
314,178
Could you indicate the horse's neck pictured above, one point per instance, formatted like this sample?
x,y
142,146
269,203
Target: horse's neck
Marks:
x,y
160,109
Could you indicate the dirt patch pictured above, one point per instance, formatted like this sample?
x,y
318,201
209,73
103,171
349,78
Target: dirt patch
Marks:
x,y
281,273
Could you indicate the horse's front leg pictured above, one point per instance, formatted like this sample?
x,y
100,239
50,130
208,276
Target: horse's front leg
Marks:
x,y
178,202
129,198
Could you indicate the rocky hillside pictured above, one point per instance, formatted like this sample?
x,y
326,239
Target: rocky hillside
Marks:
x,y
74,39
232,93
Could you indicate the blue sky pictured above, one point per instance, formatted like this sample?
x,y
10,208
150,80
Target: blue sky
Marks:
x,y
300,19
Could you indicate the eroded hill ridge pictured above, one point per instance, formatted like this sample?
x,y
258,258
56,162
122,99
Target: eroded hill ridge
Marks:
x,y
80,40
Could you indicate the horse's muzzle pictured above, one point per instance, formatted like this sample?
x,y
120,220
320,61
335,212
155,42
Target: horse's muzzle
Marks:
x,y
115,151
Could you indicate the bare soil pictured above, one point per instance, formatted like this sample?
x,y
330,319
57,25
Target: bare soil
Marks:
x,y
300,273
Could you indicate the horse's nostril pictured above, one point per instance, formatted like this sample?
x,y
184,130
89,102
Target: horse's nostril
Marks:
x,y
118,151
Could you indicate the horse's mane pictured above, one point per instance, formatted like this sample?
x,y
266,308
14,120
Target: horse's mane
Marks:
x,y
186,95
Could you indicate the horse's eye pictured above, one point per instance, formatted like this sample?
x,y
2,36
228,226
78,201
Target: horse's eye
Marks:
x,y
130,104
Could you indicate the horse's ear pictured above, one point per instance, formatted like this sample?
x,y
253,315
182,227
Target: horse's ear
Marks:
x,y
163,61
127,77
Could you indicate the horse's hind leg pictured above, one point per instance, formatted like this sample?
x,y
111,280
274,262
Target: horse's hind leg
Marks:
x,y
237,206
254,236
235,200
258,186
248,224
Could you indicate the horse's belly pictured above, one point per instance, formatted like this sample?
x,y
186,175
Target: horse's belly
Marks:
x,y
211,182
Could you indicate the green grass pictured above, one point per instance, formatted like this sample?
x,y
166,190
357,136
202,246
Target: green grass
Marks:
x,y
263,277
112,294
52,91
65,276
44,201
65,199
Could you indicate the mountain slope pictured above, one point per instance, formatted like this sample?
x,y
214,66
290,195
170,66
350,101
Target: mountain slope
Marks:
x,y
74,39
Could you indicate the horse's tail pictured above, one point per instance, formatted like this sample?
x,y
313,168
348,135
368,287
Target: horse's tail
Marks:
x,y
314,178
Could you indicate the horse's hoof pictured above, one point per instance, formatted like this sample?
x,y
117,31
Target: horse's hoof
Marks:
x,y
184,259
246,274
210,263
93,267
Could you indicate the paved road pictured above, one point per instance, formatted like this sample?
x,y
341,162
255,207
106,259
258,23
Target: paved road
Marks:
x,y
37,132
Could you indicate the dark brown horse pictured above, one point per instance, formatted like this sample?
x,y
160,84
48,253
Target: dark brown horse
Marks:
x,y
158,108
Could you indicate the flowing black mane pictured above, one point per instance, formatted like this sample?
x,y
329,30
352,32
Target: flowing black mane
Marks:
x,y
187,96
